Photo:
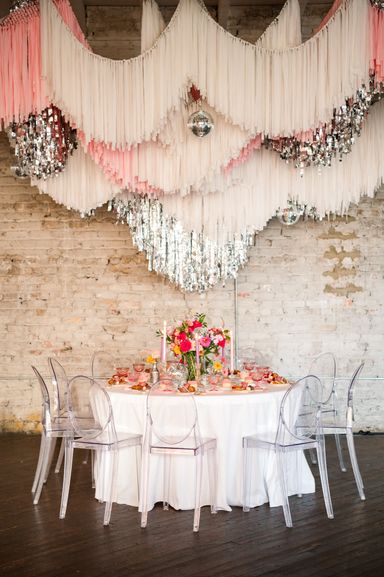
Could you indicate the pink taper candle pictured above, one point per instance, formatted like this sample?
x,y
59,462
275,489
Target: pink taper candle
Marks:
x,y
197,343
163,355
232,351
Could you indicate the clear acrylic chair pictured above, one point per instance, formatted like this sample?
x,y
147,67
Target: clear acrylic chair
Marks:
x,y
324,367
172,430
60,388
91,416
338,419
54,426
103,366
296,410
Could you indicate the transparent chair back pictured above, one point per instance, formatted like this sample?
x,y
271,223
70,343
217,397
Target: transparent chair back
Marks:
x,y
173,429
90,410
300,419
91,416
103,366
53,428
250,358
349,417
60,387
46,415
324,367
173,420
299,428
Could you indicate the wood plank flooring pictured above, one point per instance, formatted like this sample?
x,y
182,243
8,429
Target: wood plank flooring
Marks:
x,y
34,542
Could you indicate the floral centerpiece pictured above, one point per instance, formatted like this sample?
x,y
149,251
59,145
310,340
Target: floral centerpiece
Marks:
x,y
197,346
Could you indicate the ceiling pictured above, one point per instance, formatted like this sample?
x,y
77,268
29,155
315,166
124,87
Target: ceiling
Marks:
x,y
222,6
79,5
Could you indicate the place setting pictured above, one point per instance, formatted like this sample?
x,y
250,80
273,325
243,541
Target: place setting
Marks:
x,y
196,359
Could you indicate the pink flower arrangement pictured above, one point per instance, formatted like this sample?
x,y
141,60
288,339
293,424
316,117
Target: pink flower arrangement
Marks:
x,y
187,334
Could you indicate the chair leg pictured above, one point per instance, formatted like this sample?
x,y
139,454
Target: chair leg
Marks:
x,y
166,481
60,457
68,460
340,453
247,475
93,458
112,486
39,462
144,488
212,477
280,461
138,457
312,454
321,457
355,466
44,466
50,457
199,471
299,470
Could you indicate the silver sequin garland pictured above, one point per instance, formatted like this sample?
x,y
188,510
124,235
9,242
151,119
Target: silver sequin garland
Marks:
x,y
19,4
378,4
334,139
187,259
42,144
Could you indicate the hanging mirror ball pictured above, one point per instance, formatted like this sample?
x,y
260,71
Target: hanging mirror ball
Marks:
x,y
200,123
289,215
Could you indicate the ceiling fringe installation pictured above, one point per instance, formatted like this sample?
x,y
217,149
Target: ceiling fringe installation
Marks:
x,y
243,82
212,192
187,259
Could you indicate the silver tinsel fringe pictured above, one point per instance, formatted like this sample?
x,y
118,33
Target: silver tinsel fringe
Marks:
x,y
332,140
187,259
378,4
18,4
42,144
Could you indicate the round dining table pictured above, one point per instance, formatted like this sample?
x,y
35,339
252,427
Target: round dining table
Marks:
x,y
228,416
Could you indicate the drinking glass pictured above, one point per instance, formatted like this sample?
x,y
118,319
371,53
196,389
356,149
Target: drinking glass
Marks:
x,y
138,367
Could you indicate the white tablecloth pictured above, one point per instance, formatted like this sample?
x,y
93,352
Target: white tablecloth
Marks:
x,y
227,417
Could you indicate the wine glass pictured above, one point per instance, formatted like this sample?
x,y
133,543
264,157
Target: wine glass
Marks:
x,y
138,367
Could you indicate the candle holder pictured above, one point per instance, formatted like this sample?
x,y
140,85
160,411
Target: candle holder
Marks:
x,y
155,375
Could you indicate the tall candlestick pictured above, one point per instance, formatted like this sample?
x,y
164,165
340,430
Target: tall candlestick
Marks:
x,y
197,342
163,355
232,352
198,371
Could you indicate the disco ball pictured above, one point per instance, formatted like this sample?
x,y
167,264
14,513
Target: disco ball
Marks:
x,y
200,123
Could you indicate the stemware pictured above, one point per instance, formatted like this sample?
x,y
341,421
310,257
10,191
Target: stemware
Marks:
x,y
249,364
122,371
138,367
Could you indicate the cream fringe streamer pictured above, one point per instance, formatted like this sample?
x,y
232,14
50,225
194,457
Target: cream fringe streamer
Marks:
x,y
178,161
275,92
285,31
253,192
81,186
152,24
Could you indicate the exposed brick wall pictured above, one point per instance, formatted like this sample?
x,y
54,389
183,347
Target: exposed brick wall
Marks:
x,y
69,286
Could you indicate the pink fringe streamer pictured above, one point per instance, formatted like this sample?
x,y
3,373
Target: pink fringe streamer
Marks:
x,y
22,88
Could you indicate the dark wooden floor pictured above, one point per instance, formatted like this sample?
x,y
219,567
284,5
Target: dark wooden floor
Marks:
x,y
35,543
